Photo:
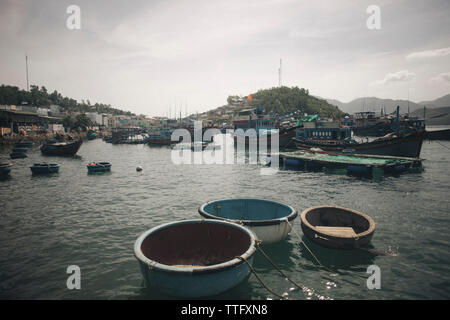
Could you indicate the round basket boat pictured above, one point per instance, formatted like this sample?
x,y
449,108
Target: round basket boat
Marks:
x,y
337,227
195,258
267,219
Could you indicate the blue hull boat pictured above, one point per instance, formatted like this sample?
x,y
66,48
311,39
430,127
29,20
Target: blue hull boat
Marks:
x,y
44,168
195,258
271,221
99,167
5,168
18,155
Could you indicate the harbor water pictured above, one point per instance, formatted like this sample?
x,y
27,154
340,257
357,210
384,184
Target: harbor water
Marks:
x,y
50,222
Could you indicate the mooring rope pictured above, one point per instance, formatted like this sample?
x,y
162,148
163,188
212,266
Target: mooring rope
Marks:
x,y
260,280
301,287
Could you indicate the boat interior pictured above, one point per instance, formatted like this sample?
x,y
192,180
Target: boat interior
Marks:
x,y
195,244
336,221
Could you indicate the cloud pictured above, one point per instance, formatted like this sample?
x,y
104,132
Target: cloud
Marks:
x,y
429,54
441,78
400,76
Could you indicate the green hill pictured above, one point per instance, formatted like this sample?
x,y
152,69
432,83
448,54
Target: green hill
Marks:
x,y
284,99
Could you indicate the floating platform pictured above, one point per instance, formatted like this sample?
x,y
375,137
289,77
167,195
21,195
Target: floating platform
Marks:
x,y
354,164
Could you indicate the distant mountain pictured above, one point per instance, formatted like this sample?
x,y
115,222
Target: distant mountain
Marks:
x,y
440,102
375,104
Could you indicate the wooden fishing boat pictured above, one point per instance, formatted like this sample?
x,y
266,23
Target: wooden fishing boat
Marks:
x,y
5,168
407,145
99,167
91,135
270,220
18,155
44,168
61,148
195,258
337,227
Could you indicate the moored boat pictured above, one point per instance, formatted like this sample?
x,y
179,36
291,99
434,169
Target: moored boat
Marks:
x,y
20,150
195,258
91,135
18,155
99,167
61,148
5,168
270,220
44,168
337,227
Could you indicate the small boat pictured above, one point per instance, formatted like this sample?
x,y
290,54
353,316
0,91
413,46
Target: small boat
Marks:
x,y
18,155
443,134
61,148
270,220
195,258
91,135
23,144
99,167
44,168
19,150
337,227
5,168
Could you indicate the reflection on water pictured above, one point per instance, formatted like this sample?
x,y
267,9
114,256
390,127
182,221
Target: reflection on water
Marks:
x,y
53,221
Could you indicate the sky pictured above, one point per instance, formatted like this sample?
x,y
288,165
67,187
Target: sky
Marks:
x,y
149,57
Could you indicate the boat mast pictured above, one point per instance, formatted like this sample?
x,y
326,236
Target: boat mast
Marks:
x,y
26,66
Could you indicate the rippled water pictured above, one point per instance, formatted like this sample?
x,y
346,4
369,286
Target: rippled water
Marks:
x,y
50,222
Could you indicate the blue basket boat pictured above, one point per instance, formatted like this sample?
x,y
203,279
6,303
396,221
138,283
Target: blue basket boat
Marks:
x,y
270,220
44,168
99,167
195,258
18,155
5,168
20,150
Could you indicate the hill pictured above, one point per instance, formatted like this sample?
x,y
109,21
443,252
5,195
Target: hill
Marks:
x,y
39,97
281,100
375,104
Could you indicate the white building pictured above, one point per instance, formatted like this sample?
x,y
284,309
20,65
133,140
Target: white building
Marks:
x,y
96,118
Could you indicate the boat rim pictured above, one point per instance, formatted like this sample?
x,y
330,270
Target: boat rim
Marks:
x,y
266,222
5,165
370,230
152,264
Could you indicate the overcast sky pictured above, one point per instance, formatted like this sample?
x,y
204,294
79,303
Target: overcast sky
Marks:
x,y
146,56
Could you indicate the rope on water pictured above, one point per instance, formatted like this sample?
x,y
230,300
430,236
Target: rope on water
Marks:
x,y
442,144
260,280
301,287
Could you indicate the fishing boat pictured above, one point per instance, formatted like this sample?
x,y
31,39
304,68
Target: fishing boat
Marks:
x,y
99,167
337,227
44,168
91,135
353,164
23,144
195,258
163,138
67,148
271,221
18,155
5,168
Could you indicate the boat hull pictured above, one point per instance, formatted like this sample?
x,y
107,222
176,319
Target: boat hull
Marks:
x,y
193,236
347,218
102,167
271,221
5,168
18,155
284,140
406,146
44,169
438,135
68,149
